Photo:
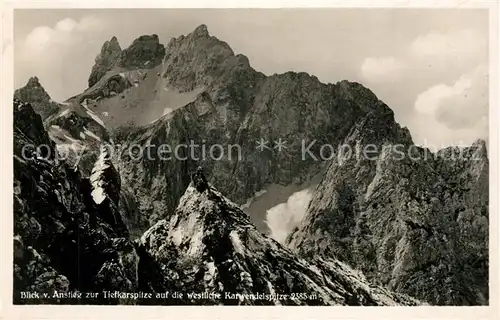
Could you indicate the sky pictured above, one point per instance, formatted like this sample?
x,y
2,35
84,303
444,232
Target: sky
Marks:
x,y
428,65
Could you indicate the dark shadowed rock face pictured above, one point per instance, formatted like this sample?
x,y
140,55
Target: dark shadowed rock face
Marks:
x,y
210,245
62,241
145,52
107,58
415,222
34,93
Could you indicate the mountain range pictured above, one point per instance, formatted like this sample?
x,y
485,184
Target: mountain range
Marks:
x,y
407,226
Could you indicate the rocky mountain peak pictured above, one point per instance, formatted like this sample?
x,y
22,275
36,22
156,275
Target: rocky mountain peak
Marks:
x,y
201,60
33,82
209,244
144,52
480,145
34,93
200,31
105,61
114,42
368,208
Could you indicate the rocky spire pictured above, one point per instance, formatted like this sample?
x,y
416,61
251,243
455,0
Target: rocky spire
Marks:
x,y
106,59
34,93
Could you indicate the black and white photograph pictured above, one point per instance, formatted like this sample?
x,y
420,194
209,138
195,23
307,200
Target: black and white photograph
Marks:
x,y
251,156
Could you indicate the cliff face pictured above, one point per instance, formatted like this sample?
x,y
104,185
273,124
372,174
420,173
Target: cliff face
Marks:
x,y
410,219
145,52
105,61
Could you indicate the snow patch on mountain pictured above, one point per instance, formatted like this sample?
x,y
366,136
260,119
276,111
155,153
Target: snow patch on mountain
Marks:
x,y
91,134
236,241
93,116
282,218
102,163
64,112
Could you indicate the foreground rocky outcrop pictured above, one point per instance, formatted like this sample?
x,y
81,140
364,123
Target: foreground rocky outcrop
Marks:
x,y
412,220
63,240
210,246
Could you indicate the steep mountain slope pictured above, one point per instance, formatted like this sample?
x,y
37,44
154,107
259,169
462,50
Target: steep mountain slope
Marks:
x,y
63,240
125,86
210,246
77,131
410,219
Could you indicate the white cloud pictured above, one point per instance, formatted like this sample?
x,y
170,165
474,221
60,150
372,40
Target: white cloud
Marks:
x,y
454,114
446,76
430,100
459,48
435,135
38,40
381,69
282,218
66,32
435,53
66,25
48,51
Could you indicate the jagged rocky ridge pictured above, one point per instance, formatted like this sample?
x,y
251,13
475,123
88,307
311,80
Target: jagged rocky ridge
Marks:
x,y
69,237
410,219
145,51
232,104
110,52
